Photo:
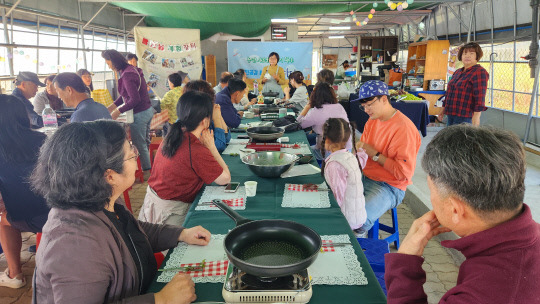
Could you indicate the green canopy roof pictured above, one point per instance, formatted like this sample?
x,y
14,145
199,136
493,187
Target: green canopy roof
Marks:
x,y
246,20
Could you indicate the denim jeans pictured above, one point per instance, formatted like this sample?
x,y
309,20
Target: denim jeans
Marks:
x,y
380,197
140,135
456,120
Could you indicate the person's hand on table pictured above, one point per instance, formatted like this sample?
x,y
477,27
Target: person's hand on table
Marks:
x,y
195,236
422,230
180,289
241,113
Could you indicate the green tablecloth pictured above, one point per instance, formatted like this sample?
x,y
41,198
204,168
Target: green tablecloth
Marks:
x,y
267,205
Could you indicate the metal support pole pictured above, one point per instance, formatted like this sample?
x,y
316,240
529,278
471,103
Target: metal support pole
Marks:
x,y
491,75
95,15
37,43
6,37
12,8
81,30
58,52
473,6
492,64
124,29
446,15
515,57
435,24
461,23
533,62
458,16
138,22
428,28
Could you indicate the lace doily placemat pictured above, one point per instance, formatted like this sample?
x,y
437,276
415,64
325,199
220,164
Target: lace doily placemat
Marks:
x,y
218,192
301,199
187,254
339,267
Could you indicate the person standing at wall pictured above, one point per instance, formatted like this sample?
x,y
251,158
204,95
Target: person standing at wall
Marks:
x,y
465,97
133,96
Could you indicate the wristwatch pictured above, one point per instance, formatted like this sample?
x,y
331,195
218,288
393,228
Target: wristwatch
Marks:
x,y
376,156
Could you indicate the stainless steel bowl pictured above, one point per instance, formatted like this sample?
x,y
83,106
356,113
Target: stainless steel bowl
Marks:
x,y
269,163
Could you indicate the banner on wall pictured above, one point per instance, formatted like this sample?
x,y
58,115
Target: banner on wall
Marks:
x,y
163,51
253,57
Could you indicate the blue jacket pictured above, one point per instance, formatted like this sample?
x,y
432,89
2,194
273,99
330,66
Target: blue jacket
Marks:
x,y
89,110
221,139
35,120
229,113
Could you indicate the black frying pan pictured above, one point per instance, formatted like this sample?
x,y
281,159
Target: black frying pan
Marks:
x,y
265,133
269,248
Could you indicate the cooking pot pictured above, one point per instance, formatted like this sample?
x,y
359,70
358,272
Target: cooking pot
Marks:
x,y
269,248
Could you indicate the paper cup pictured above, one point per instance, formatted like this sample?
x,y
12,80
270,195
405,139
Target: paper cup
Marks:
x,y
251,188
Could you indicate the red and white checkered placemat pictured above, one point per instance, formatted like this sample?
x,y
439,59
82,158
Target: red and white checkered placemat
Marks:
x,y
237,202
327,246
303,188
213,268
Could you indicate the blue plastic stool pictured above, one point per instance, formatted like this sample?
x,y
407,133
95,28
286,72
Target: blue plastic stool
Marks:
x,y
374,250
373,233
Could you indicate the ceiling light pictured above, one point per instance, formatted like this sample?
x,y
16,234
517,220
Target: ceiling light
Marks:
x,y
338,28
336,37
284,20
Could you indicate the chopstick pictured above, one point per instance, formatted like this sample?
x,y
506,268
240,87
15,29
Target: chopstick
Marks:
x,y
183,269
335,244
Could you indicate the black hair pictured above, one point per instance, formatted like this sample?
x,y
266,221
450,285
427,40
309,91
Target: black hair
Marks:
x,y
175,79
49,78
200,86
118,61
326,75
274,54
15,124
239,74
70,172
130,56
322,94
346,61
225,77
191,109
236,85
82,72
338,130
366,100
297,76
72,80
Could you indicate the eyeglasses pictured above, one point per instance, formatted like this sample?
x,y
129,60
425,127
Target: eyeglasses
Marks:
x,y
134,150
368,106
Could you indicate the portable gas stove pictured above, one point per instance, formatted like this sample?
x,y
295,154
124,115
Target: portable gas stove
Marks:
x,y
242,288
263,145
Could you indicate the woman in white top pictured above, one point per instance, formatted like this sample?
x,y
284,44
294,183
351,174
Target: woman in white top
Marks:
x,y
300,97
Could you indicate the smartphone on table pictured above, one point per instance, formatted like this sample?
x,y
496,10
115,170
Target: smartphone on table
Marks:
x,y
232,187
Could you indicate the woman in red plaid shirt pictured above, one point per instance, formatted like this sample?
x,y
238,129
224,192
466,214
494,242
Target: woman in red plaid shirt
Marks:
x,y
465,97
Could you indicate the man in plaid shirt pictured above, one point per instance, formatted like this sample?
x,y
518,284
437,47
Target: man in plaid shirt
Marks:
x,y
465,97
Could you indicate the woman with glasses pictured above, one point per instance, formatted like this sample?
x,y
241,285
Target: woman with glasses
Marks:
x,y
93,250
323,104
21,210
185,161
49,96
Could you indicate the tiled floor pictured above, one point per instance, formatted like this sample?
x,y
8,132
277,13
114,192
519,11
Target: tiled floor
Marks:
x,y
439,266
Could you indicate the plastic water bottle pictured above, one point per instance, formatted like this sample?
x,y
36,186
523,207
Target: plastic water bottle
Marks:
x,y
49,118
255,87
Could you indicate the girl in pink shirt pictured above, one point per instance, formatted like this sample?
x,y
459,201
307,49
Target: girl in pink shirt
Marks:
x,y
343,170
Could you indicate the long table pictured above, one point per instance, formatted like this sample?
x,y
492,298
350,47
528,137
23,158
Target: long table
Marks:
x,y
267,205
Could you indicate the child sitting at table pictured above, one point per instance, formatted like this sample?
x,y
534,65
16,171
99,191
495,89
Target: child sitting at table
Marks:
x,y
343,170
